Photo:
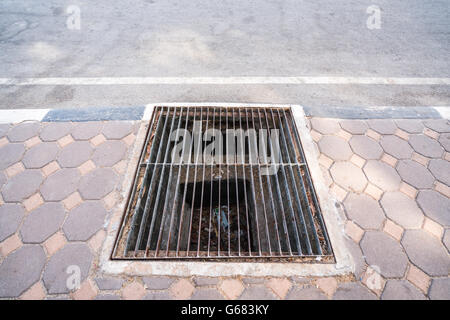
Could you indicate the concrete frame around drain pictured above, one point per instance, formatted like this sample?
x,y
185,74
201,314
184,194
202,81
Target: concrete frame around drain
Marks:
x,y
333,221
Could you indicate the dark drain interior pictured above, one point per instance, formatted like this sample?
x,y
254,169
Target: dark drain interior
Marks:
x,y
229,208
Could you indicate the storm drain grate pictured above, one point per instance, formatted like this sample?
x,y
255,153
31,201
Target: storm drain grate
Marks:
x,y
223,183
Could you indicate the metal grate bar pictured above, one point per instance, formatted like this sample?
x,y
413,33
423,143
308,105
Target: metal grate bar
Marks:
x,y
222,183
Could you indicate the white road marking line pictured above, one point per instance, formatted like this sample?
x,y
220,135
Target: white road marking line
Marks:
x,y
223,80
19,115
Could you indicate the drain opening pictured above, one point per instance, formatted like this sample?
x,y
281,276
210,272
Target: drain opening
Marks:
x,y
217,183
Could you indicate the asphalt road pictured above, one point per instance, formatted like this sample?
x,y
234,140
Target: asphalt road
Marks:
x,y
227,38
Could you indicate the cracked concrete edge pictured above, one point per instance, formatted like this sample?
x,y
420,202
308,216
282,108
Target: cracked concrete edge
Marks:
x,y
143,113
343,265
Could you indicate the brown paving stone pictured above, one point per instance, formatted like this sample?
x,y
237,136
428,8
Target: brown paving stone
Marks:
x,y
257,293
348,176
373,280
86,167
402,134
444,140
338,192
315,135
396,147
418,278
439,125
353,291
410,125
87,291
382,175
393,229
327,285
420,159
409,190
40,155
20,270
96,241
32,142
401,290
354,126
86,130
344,134
402,209
366,147
117,129
72,201
442,188
232,288
10,244
434,228
54,243
440,289
426,146
97,140
335,148
386,253
3,142
55,130
182,289
97,183
373,191
75,154
36,292
390,160
10,154
84,221
65,141
120,167
23,131
309,293
426,252
325,161
129,139
441,170
435,206
55,273
22,186
382,126
280,286
41,223
207,294
415,174
365,211
431,133
14,169
110,200
109,153
357,160
10,217
133,291
60,184
33,202
353,231
50,168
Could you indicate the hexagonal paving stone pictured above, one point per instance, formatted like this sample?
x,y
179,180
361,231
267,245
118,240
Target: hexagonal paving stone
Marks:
x,y
364,210
440,289
4,128
438,125
207,294
84,221
109,283
435,205
335,147
386,253
117,129
20,270
354,126
402,209
22,185
415,174
75,154
55,130
257,293
426,146
444,140
382,126
309,293
366,147
41,223
396,147
109,153
60,185
40,155
23,131
410,125
441,170
382,175
348,176
10,217
325,126
97,183
426,252
86,130
353,291
10,154
75,255
401,290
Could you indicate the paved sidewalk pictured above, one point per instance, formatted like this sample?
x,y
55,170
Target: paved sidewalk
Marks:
x,y
60,182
